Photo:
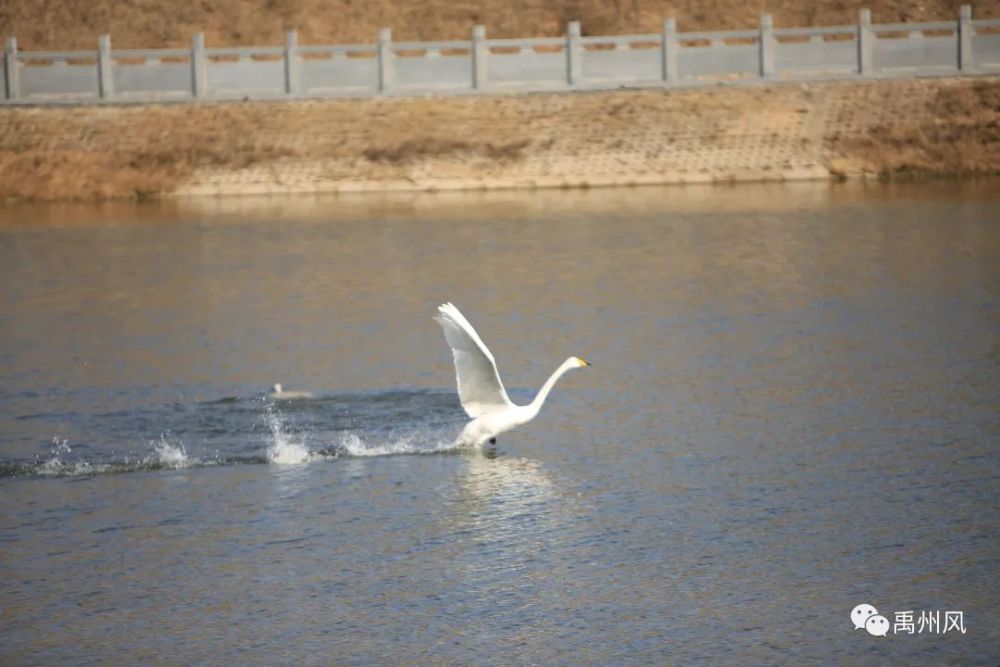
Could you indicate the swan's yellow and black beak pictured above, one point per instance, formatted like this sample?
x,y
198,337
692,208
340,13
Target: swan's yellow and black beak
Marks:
x,y
583,362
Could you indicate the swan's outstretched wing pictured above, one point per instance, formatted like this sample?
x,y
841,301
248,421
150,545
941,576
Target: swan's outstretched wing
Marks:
x,y
479,385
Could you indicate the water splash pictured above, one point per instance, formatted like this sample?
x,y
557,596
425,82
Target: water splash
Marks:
x,y
58,463
166,455
55,463
282,449
349,425
413,442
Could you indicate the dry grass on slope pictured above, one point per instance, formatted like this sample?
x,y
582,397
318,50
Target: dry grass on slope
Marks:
x,y
958,134
71,24
134,152
934,127
107,153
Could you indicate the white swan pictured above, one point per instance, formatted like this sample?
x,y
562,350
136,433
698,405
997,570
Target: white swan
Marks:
x,y
279,394
479,387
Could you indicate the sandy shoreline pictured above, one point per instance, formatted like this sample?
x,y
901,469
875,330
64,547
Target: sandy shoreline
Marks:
x,y
780,132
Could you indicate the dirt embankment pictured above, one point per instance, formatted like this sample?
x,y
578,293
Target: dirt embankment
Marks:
x,y
71,24
956,133
888,128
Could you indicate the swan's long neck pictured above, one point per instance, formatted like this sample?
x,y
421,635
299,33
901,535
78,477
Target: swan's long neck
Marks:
x,y
543,393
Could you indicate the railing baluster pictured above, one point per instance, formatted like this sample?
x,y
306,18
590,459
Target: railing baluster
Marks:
x,y
293,69
866,42
385,60
965,32
574,51
199,68
668,51
105,74
479,53
766,46
10,69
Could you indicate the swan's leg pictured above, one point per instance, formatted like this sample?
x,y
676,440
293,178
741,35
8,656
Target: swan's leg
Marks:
x,y
490,448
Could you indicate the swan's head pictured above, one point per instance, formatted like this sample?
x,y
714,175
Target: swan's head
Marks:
x,y
582,363
277,388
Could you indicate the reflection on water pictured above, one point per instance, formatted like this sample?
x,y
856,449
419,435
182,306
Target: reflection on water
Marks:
x,y
792,411
514,485
776,198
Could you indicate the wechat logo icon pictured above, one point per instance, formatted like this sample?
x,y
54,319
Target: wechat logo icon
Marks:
x,y
867,617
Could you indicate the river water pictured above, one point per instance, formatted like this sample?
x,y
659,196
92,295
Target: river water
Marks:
x,y
792,410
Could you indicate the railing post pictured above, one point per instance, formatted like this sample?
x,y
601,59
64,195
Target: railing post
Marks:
x,y
480,52
384,59
668,51
105,75
293,69
866,42
574,53
199,68
12,88
965,32
765,44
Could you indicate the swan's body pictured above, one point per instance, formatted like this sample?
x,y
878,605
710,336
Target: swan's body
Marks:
x,y
479,387
279,394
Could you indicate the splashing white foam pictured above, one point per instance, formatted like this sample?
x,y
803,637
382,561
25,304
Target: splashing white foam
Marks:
x,y
282,450
167,455
55,465
409,443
